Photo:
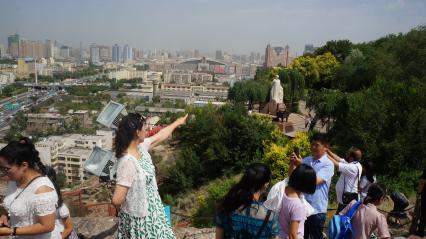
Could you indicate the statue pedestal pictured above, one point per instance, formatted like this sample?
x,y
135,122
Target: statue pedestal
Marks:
x,y
286,127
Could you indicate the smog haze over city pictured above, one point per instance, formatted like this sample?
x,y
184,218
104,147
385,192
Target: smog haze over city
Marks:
x,y
237,26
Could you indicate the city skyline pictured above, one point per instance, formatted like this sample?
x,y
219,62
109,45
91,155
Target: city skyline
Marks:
x,y
236,26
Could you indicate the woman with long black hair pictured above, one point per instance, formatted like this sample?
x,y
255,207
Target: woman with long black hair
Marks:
x,y
368,177
242,214
31,197
136,193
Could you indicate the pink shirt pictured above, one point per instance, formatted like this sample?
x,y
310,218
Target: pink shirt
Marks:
x,y
292,210
366,220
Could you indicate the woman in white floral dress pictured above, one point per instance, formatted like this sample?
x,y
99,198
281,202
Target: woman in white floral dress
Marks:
x,y
136,193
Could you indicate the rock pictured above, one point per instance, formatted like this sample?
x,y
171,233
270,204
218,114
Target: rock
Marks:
x,y
191,232
106,227
96,227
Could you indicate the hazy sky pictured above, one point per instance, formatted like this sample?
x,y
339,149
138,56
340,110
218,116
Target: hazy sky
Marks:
x,y
238,26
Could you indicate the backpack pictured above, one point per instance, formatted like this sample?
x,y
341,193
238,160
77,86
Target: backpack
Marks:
x,y
243,233
340,226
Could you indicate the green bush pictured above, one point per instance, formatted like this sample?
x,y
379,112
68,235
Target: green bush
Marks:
x,y
406,182
208,201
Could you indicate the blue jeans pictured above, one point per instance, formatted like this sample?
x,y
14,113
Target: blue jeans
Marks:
x,y
314,226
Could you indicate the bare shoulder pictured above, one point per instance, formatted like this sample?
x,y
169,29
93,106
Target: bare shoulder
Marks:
x,y
44,189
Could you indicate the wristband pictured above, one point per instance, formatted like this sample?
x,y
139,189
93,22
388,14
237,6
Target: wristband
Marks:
x,y
13,231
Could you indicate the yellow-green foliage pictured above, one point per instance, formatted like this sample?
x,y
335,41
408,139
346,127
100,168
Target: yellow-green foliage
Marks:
x,y
208,199
277,155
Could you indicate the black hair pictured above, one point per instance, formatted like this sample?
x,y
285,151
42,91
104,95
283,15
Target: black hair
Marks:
x,y
18,152
51,173
303,179
368,170
352,153
375,192
320,137
241,194
126,132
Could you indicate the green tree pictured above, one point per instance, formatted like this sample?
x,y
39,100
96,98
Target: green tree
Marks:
x,y
250,91
340,49
216,142
308,67
294,86
17,127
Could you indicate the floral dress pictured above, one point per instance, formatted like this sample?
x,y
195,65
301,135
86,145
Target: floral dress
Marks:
x,y
155,223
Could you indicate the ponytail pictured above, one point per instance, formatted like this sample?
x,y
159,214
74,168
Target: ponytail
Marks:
x,y
126,132
51,174
34,155
375,193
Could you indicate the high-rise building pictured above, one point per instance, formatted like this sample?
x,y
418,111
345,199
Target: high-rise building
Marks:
x,y
219,55
1,50
127,53
196,53
13,45
309,49
81,55
65,52
105,53
49,49
137,54
115,53
33,49
94,53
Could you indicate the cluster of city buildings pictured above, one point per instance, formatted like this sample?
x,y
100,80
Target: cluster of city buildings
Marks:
x,y
67,153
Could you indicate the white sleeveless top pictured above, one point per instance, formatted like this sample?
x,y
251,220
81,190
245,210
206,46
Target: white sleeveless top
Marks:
x,y
131,175
28,206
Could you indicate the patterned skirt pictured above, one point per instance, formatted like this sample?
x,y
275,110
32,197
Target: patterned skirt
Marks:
x,y
154,225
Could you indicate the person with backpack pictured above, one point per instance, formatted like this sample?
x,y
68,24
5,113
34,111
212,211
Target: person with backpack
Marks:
x,y
242,214
367,218
324,170
292,215
347,187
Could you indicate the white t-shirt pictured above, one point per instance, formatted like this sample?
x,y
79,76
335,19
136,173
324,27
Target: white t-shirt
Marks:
x,y
350,173
364,185
25,209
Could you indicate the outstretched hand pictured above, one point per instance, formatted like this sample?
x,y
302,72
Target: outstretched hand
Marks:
x,y
182,120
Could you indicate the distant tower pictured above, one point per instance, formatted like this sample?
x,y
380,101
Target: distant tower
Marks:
x,y
13,43
94,53
219,55
115,53
127,53
81,52
268,55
